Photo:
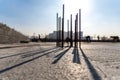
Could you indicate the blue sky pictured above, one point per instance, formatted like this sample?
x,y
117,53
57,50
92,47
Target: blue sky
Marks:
x,y
99,17
105,17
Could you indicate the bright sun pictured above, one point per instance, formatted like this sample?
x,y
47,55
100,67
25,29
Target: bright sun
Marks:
x,y
72,6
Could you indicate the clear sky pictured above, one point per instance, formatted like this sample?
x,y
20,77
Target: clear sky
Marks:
x,y
99,17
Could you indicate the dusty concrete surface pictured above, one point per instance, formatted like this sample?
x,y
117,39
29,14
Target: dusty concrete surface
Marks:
x,y
95,61
105,57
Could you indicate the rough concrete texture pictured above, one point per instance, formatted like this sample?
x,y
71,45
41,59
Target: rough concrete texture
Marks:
x,y
95,61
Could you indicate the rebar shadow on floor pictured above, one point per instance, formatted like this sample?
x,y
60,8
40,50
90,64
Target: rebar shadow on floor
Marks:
x,y
25,53
76,57
59,56
24,62
93,71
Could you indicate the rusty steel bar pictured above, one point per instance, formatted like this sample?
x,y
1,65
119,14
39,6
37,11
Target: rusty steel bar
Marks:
x,y
71,32
76,30
57,29
63,28
80,35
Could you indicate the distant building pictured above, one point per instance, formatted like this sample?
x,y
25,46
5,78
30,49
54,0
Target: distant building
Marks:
x,y
53,35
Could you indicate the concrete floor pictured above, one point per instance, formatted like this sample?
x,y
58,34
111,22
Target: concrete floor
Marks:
x,y
95,61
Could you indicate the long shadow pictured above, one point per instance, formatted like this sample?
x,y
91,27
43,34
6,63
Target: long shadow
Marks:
x,y
59,56
93,71
76,58
26,53
9,47
19,64
35,53
6,47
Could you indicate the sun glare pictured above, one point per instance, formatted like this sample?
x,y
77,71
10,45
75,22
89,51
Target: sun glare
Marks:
x,y
72,6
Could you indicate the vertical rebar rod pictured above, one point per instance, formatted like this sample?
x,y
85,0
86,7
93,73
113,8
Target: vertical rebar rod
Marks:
x,y
57,29
76,30
68,28
68,32
63,28
80,35
71,39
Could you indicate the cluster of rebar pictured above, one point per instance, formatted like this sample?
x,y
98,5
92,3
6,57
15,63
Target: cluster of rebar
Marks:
x,y
60,32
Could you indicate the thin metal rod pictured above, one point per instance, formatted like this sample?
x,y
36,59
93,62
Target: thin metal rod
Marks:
x,y
71,32
63,28
76,31
68,28
80,35
57,29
